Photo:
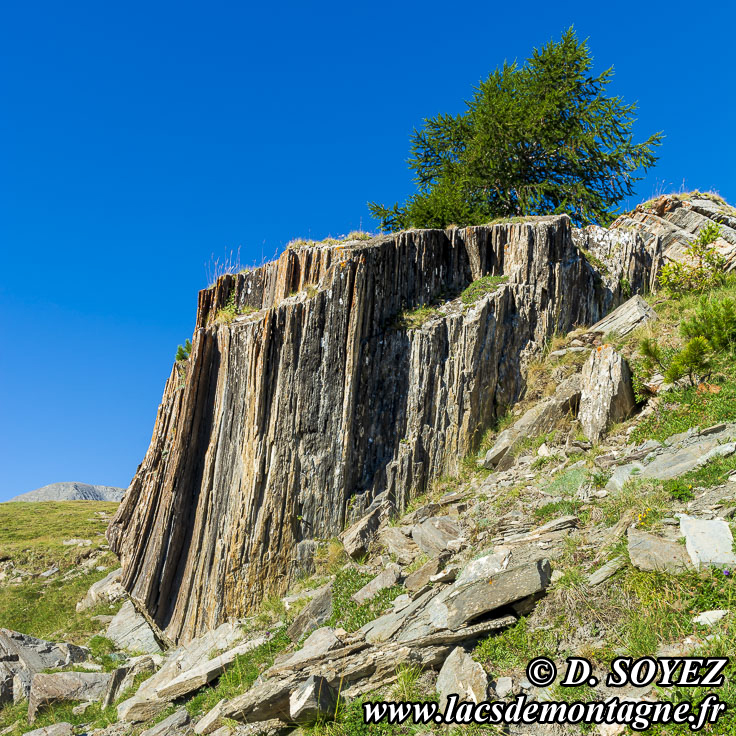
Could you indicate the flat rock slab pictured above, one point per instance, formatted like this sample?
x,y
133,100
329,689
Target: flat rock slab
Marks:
x,y
313,700
708,542
58,729
630,315
606,571
319,642
398,544
434,535
139,709
463,603
385,579
650,552
463,676
107,590
21,651
169,725
129,630
315,613
419,578
204,673
211,721
607,395
64,687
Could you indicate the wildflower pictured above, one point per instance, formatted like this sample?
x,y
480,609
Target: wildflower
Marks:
x,y
726,572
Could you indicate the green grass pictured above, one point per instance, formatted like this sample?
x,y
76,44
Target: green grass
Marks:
x,y
31,534
480,287
567,483
346,612
413,319
240,675
515,647
557,508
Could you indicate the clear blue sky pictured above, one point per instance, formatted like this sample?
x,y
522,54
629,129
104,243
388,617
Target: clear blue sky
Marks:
x,y
137,139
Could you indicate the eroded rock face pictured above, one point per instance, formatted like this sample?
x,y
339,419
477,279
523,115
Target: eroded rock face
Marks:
x,y
286,423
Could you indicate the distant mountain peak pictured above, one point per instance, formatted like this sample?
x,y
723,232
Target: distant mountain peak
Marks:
x,y
73,491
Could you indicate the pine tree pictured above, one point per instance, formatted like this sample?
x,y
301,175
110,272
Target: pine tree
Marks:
x,y
540,138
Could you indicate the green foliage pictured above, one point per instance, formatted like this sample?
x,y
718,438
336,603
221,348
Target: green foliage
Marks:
x,y
480,287
240,675
704,268
553,509
694,361
534,139
184,351
679,489
714,320
346,612
413,319
515,647
230,311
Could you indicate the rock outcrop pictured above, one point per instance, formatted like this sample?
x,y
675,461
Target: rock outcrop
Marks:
x,y
289,419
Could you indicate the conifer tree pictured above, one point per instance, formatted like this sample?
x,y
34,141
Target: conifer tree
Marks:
x,y
540,138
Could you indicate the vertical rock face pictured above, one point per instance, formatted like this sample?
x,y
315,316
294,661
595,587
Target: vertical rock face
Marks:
x,y
290,419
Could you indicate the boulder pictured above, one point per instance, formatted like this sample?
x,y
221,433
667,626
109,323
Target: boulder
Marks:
x,y
36,655
318,643
129,630
357,537
708,542
315,613
461,675
313,700
202,674
538,420
421,577
63,687
57,729
139,708
398,544
650,552
169,725
625,318
107,590
6,684
123,677
434,535
211,721
385,579
607,395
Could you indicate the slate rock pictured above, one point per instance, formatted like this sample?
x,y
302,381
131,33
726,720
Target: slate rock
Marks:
x,y
650,552
398,544
607,395
62,687
421,577
357,537
122,678
129,630
539,419
314,614
211,721
463,676
6,684
203,673
708,542
107,590
434,535
318,643
625,318
57,729
504,687
35,655
313,700
385,579
606,571
169,725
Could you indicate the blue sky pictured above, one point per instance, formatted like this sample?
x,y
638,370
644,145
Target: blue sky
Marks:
x,y
139,139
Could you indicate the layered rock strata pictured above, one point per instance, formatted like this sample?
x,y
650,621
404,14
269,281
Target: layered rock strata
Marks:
x,y
288,420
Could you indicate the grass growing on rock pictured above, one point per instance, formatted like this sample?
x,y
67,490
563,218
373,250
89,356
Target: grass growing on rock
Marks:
x,y
480,287
346,612
240,675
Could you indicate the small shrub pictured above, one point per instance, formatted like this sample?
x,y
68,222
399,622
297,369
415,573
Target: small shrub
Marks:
x,y
184,351
679,489
714,320
695,361
704,269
